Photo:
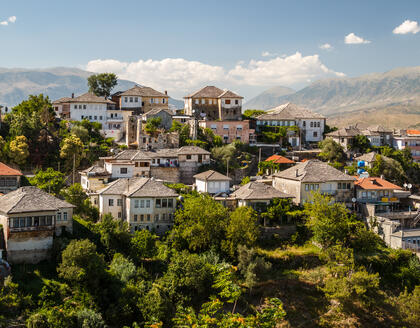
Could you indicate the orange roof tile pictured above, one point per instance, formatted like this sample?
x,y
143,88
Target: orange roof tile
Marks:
x,y
279,159
7,170
413,131
374,183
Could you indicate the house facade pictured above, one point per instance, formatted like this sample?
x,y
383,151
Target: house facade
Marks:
x,y
231,131
9,178
31,218
408,139
303,179
213,104
212,182
143,203
344,136
310,125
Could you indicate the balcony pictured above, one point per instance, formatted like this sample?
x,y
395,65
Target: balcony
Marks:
x,y
27,229
114,119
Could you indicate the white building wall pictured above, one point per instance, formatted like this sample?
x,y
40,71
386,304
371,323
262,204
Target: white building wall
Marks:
x,y
310,130
91,112
201,185
116,170
105,208
126,103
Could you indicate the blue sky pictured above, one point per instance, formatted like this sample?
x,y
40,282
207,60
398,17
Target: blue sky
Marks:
x,y
182,45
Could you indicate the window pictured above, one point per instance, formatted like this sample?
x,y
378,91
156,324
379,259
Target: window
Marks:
x,y
123,170
312,124
158,205
170,203
348,186
75,106
163,100
236,102
29,221
188,156
95,117
131,99
58,216
239,127
163,217
136,203
386,192
306,187
142,203
196,102
151,100
100,118
164,203
148,217
136,99
119,215
110,202
156,217
135,218
119,202
81,117
90,117
203,101
148,203
315,134
227,101
225,127
318,124
141,217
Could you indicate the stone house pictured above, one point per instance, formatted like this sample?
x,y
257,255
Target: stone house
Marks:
x,y
213,104
30,217
311,176
408,139
230,131
212,182
378,135
62,107
143,203
9,178
369,158
163,113
93,178
344,136
311,125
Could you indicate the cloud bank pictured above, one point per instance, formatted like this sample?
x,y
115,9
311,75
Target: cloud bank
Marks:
x,y
180,76
11,19
406,27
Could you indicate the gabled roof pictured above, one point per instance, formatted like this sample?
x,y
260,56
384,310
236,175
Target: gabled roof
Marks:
x,y
313,171
288,111
211,175
30,199
378,128
141,91
190,150
90,97
95,170
258,191
138,187
155,111
278,159
413,132
350,131
369,157
7,170
211,91
62,100
374,183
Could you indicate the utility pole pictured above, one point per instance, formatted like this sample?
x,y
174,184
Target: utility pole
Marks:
x,y
259,155
74,165
227,167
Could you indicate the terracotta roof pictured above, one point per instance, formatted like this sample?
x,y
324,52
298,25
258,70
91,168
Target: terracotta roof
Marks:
x,y
213,92
374,183
90,97
313,171
7,170
211,175
143,92
278,159
411,132
30,199
350,131
288,111
258,191
138,187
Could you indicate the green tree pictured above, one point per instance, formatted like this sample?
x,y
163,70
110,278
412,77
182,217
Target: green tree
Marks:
x,y
360,144
19,150
242,229
122,268
152,125
200,225
80,132
75,195
114,235
48,180
82,265
2,149
389,168
143,244
12,301
252,266
331,151
278,211
252,113
409,307
102,84
71,151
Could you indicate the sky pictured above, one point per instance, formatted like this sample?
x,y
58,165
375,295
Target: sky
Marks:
x,y
181,46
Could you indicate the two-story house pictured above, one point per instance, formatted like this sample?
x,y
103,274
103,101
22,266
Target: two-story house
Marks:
x,y
408,139
9,178
344,136
30,217
378,135
311,176
214,104
212,182
143,203
230,131
310,125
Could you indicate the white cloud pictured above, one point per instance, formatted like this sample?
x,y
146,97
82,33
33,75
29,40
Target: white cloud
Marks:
x,y
6,22
354,39
287,71
180,76
326,46
406,27
268,54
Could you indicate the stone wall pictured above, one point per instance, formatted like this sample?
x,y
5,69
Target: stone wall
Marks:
x,y
169,174
187,171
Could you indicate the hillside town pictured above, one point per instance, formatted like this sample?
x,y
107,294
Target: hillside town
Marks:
x,y
126,164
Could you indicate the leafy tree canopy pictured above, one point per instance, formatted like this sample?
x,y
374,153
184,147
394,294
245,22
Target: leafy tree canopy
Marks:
x,y
102,84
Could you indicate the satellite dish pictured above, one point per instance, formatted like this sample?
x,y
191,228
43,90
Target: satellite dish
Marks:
x,y
353,200
409,186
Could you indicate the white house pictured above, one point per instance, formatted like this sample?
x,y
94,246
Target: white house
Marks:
x,y
212,182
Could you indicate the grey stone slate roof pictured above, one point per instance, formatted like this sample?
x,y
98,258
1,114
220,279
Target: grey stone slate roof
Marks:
x,y
138,187
192,150
90,97
155,111
313,171
211,91
130,154
369,157
258,191
288,111
350,131
30,199
141,91
211,175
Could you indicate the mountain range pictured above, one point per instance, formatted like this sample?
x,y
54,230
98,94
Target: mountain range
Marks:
x,y
391,98
17,84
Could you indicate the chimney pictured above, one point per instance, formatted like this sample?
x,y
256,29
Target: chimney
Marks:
x,y
297,172
382,177
72,95
166,92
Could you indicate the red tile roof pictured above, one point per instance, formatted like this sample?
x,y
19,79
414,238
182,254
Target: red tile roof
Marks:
x,y
6,170
413,132
279,160
374,183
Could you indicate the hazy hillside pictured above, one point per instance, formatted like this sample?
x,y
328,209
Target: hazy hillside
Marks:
x,y
391,98
17,84
269,98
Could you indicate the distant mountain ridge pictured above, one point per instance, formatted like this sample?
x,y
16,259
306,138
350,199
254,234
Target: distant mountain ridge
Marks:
x,y
17,84
269,98
391,98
